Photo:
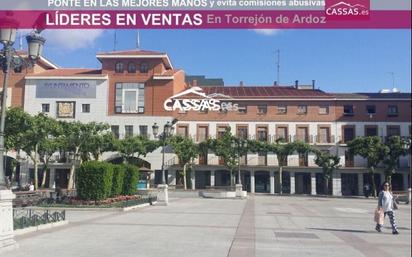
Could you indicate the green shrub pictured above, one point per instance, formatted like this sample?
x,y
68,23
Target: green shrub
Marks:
x,y
131,177
118,180
94,180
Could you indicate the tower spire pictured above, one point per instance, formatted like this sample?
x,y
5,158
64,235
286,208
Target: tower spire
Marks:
x,y
138,40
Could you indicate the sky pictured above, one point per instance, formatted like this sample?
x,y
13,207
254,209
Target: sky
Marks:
x,y
339,60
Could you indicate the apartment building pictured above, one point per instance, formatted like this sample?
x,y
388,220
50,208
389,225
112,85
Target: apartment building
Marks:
x,y
135,89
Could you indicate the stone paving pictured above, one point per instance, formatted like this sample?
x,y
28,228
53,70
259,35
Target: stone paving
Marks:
x,y
260,226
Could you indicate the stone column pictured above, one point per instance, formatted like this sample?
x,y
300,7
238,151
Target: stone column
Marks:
x,y
292,182
405,181
336,184
212,178
313,183
163,195
272,182
360,184
7,241
252,181
193,179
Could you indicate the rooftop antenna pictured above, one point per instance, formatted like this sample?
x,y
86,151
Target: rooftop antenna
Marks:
x,y
115,40
138,40
278,66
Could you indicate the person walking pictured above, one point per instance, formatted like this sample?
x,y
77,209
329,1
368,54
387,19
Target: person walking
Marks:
x,y
386,203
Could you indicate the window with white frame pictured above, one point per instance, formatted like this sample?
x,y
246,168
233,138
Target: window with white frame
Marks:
x,y
129,98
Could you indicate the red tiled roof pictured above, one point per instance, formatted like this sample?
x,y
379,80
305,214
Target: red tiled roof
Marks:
x,y
266,92
67,72
131,52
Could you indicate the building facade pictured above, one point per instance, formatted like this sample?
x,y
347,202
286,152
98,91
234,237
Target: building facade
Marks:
x,y
135,89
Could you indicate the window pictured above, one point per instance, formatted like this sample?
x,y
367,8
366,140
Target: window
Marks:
x,y
282,133
303,159
348,110
348,134
393,110
86,108
182,131
221,131
323,110
242,109
131,67
262,133
302,109
282,109
393,131
349,159
143,131
130,98
242,132
115,131
324,135
371,131
262,109
45,108
370,109
144,67
203,158
302,134
119,67
128,130
202,133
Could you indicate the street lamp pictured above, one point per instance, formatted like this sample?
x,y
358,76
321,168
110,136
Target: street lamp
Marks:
x,y
10,59
240,144
167,132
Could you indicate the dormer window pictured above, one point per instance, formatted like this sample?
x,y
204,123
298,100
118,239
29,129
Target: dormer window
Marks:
x,y
131,67
144,67
119,67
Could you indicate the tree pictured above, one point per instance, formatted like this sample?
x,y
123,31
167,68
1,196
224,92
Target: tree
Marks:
x,y
372,149
98,144
46,150
282,151
76,138
17,123
230,149
40,128
329,163
186,150
395,147
130,146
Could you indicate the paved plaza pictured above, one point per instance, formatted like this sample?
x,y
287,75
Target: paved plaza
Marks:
x,y
259,226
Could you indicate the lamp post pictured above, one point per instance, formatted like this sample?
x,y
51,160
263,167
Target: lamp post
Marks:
x,y
10,60
240,144
167,132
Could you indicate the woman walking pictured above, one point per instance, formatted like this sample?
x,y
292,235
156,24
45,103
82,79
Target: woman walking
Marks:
x,y
386,203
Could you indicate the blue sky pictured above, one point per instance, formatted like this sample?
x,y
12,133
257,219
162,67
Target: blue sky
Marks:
x,y
339,60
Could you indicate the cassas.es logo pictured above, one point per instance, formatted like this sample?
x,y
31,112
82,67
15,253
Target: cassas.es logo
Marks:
x,y
347,9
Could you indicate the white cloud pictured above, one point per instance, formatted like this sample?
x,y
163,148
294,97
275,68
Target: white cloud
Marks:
x,y
72,39
267,32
